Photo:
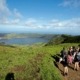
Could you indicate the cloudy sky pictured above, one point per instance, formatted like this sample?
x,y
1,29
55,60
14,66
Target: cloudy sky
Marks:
x,y
44,16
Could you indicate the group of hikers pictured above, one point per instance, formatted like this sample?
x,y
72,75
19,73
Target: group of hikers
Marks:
x,y
70,56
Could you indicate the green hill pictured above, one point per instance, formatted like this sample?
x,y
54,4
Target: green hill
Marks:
x,y
28,62
33,62
64,39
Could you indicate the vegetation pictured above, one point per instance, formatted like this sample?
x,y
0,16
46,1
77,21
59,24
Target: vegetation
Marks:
x,y
64,39
34,62
30,62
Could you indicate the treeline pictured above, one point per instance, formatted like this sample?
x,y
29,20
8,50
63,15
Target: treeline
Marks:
x,y
64,39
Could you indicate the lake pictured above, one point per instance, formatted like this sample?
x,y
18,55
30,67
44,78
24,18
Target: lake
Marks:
x,y
22,41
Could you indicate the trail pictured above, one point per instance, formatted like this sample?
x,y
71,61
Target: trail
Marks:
x,y
72,75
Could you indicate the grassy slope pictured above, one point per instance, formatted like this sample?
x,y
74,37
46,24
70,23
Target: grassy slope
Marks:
x,y
58,39
30,62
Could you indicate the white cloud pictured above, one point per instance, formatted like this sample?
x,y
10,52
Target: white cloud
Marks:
x,y
70,26
17,14
6,13
4,8
34,23
71,23
70,3
54,24
15,21
4,20
31,22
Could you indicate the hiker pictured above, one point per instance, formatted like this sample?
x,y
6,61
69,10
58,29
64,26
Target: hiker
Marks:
x,y
63,54
77,60
71,49
74,54
69,58
65,64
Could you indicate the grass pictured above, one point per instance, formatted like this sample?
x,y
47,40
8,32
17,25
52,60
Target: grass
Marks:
x,y
30,62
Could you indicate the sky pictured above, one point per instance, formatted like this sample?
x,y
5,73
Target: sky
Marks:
x,y
40,16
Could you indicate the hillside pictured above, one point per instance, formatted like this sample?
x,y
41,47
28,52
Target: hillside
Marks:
x,y
35,62
28,63
64,39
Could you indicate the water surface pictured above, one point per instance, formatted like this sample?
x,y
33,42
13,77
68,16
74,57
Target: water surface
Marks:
x,y
23,41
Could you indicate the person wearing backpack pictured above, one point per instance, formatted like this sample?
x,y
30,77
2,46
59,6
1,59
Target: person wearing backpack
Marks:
x,y
63,54
70,58
65,64
77,60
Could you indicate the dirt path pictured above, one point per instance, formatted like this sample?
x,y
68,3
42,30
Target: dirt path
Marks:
x,y
72,75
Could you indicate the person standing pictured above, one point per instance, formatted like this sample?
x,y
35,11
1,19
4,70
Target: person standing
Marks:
x,y
65,64
77,60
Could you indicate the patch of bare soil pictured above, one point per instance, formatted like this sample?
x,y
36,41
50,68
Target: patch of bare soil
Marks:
x,y
33,66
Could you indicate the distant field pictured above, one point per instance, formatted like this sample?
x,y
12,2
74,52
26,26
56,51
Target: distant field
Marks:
x,y
30,62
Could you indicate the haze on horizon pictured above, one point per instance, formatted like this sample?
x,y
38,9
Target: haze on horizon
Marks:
x,y
40,16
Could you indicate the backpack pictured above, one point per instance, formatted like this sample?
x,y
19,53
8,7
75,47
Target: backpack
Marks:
x,y
69,59
78,56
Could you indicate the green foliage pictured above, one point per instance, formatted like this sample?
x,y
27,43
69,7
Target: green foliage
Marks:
x,y
56,40
71,39
64,39
49,71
